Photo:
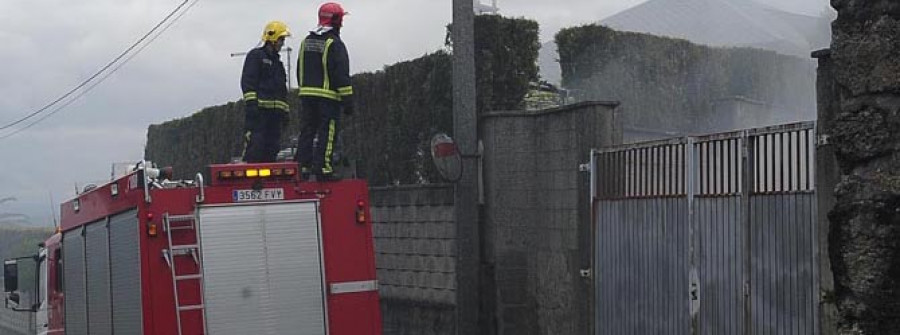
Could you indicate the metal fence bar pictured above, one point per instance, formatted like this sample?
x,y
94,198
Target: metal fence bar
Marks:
x,y
811,157
749,172
630,176
645,168
811,220
757,144
658,171
690,158
720,163
765,164
729,176
778,160
790,163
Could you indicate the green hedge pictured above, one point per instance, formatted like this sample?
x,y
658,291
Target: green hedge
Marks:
x,y
670,84
398,110
506,52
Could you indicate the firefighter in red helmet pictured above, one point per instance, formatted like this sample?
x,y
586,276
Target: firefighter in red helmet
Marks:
x,y
323,72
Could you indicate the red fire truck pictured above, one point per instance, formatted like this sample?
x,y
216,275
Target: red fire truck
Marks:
x,y
255,251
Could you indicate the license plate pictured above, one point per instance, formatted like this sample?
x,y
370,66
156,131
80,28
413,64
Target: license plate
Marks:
x,y
261,195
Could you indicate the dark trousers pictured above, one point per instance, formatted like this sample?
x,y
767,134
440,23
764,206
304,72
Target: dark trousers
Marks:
x,y
262,134
319,121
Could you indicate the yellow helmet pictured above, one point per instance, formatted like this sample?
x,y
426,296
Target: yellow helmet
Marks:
x,y
275,30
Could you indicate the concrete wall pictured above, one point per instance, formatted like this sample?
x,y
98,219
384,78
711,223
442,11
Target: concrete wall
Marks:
x,y
536,226
535,230
415,258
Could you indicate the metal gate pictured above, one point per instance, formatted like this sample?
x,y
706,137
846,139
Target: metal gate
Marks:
x,y
263,269
707,235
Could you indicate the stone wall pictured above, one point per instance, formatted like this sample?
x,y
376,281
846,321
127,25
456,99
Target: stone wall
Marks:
x,y
860,116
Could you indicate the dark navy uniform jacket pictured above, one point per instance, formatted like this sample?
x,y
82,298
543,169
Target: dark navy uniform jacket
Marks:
x,y
264,81
323,68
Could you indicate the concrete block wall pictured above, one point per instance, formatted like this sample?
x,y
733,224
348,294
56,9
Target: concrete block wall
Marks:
x,y
415,256
537,216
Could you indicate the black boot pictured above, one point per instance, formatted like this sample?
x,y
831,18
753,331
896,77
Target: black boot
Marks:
x,y
305,173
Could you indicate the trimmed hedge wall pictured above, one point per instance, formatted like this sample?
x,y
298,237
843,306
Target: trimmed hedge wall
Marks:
x,y
672,84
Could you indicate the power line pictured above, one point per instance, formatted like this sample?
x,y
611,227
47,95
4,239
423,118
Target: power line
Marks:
x,y
104,68
107,75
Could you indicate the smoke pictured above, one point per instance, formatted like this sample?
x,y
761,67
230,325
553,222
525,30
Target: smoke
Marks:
x,y
12,217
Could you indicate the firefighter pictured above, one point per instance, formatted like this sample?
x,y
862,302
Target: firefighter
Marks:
x,y
264,83
323,72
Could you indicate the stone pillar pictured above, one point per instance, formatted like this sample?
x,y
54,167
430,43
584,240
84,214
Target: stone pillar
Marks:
x,y
864,239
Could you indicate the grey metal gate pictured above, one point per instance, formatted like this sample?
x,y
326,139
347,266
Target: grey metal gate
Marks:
x,y
263,269
707,235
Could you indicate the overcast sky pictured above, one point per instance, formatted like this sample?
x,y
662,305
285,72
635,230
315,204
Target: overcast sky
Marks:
x,y
49,46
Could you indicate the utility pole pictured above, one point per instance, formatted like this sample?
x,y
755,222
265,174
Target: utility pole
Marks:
x,y
465,130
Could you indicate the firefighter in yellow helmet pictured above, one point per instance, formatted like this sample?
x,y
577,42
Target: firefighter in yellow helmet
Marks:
x,y
323,71
264,83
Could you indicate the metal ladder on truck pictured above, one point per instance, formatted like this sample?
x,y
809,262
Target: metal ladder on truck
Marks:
x,y
184,222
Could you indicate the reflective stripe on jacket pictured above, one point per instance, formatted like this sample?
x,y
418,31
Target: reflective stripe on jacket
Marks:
x,y
323,68
264,80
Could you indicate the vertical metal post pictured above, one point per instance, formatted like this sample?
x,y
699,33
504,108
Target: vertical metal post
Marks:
x,y
659,167
680,184
749,173
631,175
823,176
593,169
690,155
595,195
790,162
288,49
465,129
765,163
781,168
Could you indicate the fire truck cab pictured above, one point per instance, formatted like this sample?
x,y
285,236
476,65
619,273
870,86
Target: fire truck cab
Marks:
x,y
255,251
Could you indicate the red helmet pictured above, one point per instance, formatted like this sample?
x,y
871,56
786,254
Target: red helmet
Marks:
x,y
331,14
